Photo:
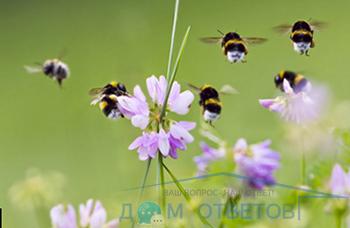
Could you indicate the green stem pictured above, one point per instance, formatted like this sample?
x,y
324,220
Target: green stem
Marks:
x,y
303,164
303,168
173,74
186,195
162,186
149,161
339,220
170,60
230,203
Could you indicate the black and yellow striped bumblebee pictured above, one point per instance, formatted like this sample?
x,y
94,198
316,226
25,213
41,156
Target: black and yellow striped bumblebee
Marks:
x,y
53,68
209,100
107,96
301,34
297,81
233,45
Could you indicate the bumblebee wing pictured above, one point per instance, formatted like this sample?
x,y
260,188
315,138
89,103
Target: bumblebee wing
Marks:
x,y
318,25
211,40
96,100
282,29
95,91
254,40
228,90
33,69
194,87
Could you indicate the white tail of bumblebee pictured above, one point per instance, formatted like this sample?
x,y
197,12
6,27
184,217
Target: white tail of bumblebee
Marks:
x,y
32,69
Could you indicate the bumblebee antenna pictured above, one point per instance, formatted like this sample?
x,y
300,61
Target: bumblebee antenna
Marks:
x,y
220,32
193,87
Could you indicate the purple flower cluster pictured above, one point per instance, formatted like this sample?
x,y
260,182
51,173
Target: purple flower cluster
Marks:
x,y
208,156
257,162
166,137
299,107
92,215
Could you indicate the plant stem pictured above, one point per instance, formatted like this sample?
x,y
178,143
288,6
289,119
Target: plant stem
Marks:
x,y
339,220
173,74
170,60
186,196
149,161
303,164
230,203
162,186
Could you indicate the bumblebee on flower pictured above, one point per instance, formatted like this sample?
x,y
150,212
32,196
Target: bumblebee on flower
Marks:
x,y
300,102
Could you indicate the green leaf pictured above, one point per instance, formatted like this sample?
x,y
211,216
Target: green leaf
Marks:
x,y
172,40
173,75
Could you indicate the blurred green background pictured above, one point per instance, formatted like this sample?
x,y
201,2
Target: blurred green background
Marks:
x,y
50,128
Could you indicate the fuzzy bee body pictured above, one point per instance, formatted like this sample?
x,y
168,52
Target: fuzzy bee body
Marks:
x,y
233,45
302,37
53,68
210,103
109,106
297,81
107,98
301,34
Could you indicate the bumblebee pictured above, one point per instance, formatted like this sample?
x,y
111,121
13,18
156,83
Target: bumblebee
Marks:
x,y
53,68
210,100
297,81
107,98
233,45
301,34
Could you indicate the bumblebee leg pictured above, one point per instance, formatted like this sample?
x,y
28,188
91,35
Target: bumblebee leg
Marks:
x,y
307,53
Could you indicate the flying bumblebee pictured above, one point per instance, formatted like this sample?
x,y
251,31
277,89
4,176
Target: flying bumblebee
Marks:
x,y
107,96
53,68
301,34
297,81
233,45
210,100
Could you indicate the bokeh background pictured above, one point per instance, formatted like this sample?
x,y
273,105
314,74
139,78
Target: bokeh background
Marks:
x,y
53,129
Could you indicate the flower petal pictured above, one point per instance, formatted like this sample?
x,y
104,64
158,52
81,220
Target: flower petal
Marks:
x,y
163,142
138,93
178,132
140,121
182,103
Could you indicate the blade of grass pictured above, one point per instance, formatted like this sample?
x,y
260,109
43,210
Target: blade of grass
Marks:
x,y
186,195
173,74
230,203
172,40
149,161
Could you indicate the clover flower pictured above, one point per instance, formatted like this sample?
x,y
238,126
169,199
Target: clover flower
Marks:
x,y
92,215
299,107
340,181
257,162
171,135
208,156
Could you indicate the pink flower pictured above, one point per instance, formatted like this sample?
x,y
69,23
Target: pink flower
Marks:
x,y
136,108
167,143
91,215
299,107
166,139
340,181
62,217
